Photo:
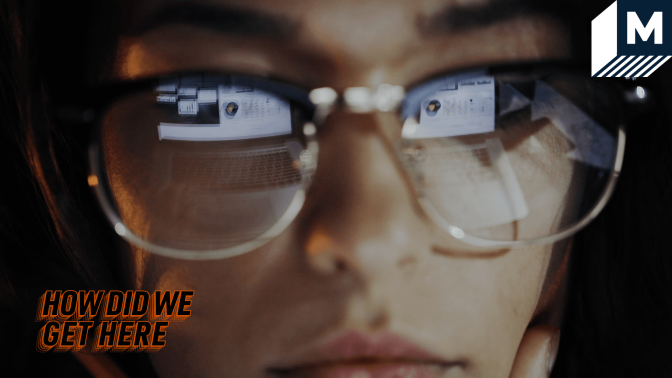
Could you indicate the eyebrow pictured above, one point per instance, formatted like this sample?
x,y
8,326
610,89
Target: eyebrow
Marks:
x,y
231,20
454,19
224,20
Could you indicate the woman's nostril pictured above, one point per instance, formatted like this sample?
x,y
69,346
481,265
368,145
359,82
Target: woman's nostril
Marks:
x,y
340,266
331,262
323,256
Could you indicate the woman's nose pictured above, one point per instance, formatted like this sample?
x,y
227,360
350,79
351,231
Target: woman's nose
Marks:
x,y
361,215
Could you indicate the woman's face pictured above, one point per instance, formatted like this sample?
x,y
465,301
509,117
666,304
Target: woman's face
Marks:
x,y
356,286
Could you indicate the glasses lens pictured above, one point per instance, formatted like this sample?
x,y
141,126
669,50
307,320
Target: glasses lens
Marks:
x,y
511,156
202,163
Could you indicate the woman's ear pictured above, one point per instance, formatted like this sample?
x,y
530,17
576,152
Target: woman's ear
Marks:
x,y
536,353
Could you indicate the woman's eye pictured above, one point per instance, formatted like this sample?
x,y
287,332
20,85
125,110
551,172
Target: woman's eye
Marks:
x,y
210,162
478,104
215,108
458,107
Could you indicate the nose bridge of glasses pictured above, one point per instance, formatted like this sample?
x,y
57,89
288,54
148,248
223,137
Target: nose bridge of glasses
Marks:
x,y
385,98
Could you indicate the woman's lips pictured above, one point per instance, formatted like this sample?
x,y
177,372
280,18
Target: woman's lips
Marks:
x,y
356,345
353,354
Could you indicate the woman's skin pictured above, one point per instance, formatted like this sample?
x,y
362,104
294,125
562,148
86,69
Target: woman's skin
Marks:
x,y
361,255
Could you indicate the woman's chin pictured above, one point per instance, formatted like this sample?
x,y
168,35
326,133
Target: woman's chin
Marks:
x,y
369,369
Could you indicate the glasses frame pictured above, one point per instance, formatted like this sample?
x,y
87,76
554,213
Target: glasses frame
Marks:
x,y
320,103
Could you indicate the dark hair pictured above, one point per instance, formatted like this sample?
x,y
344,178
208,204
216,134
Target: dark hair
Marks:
x,y
617,321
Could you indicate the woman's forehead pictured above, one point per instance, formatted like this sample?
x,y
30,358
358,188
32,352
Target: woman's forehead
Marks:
x,y
335,43
300,8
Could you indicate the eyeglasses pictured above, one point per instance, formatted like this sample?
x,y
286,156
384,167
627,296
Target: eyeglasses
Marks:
x,y
203,166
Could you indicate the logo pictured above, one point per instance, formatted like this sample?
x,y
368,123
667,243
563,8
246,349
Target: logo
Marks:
x,y
631,38
112,321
